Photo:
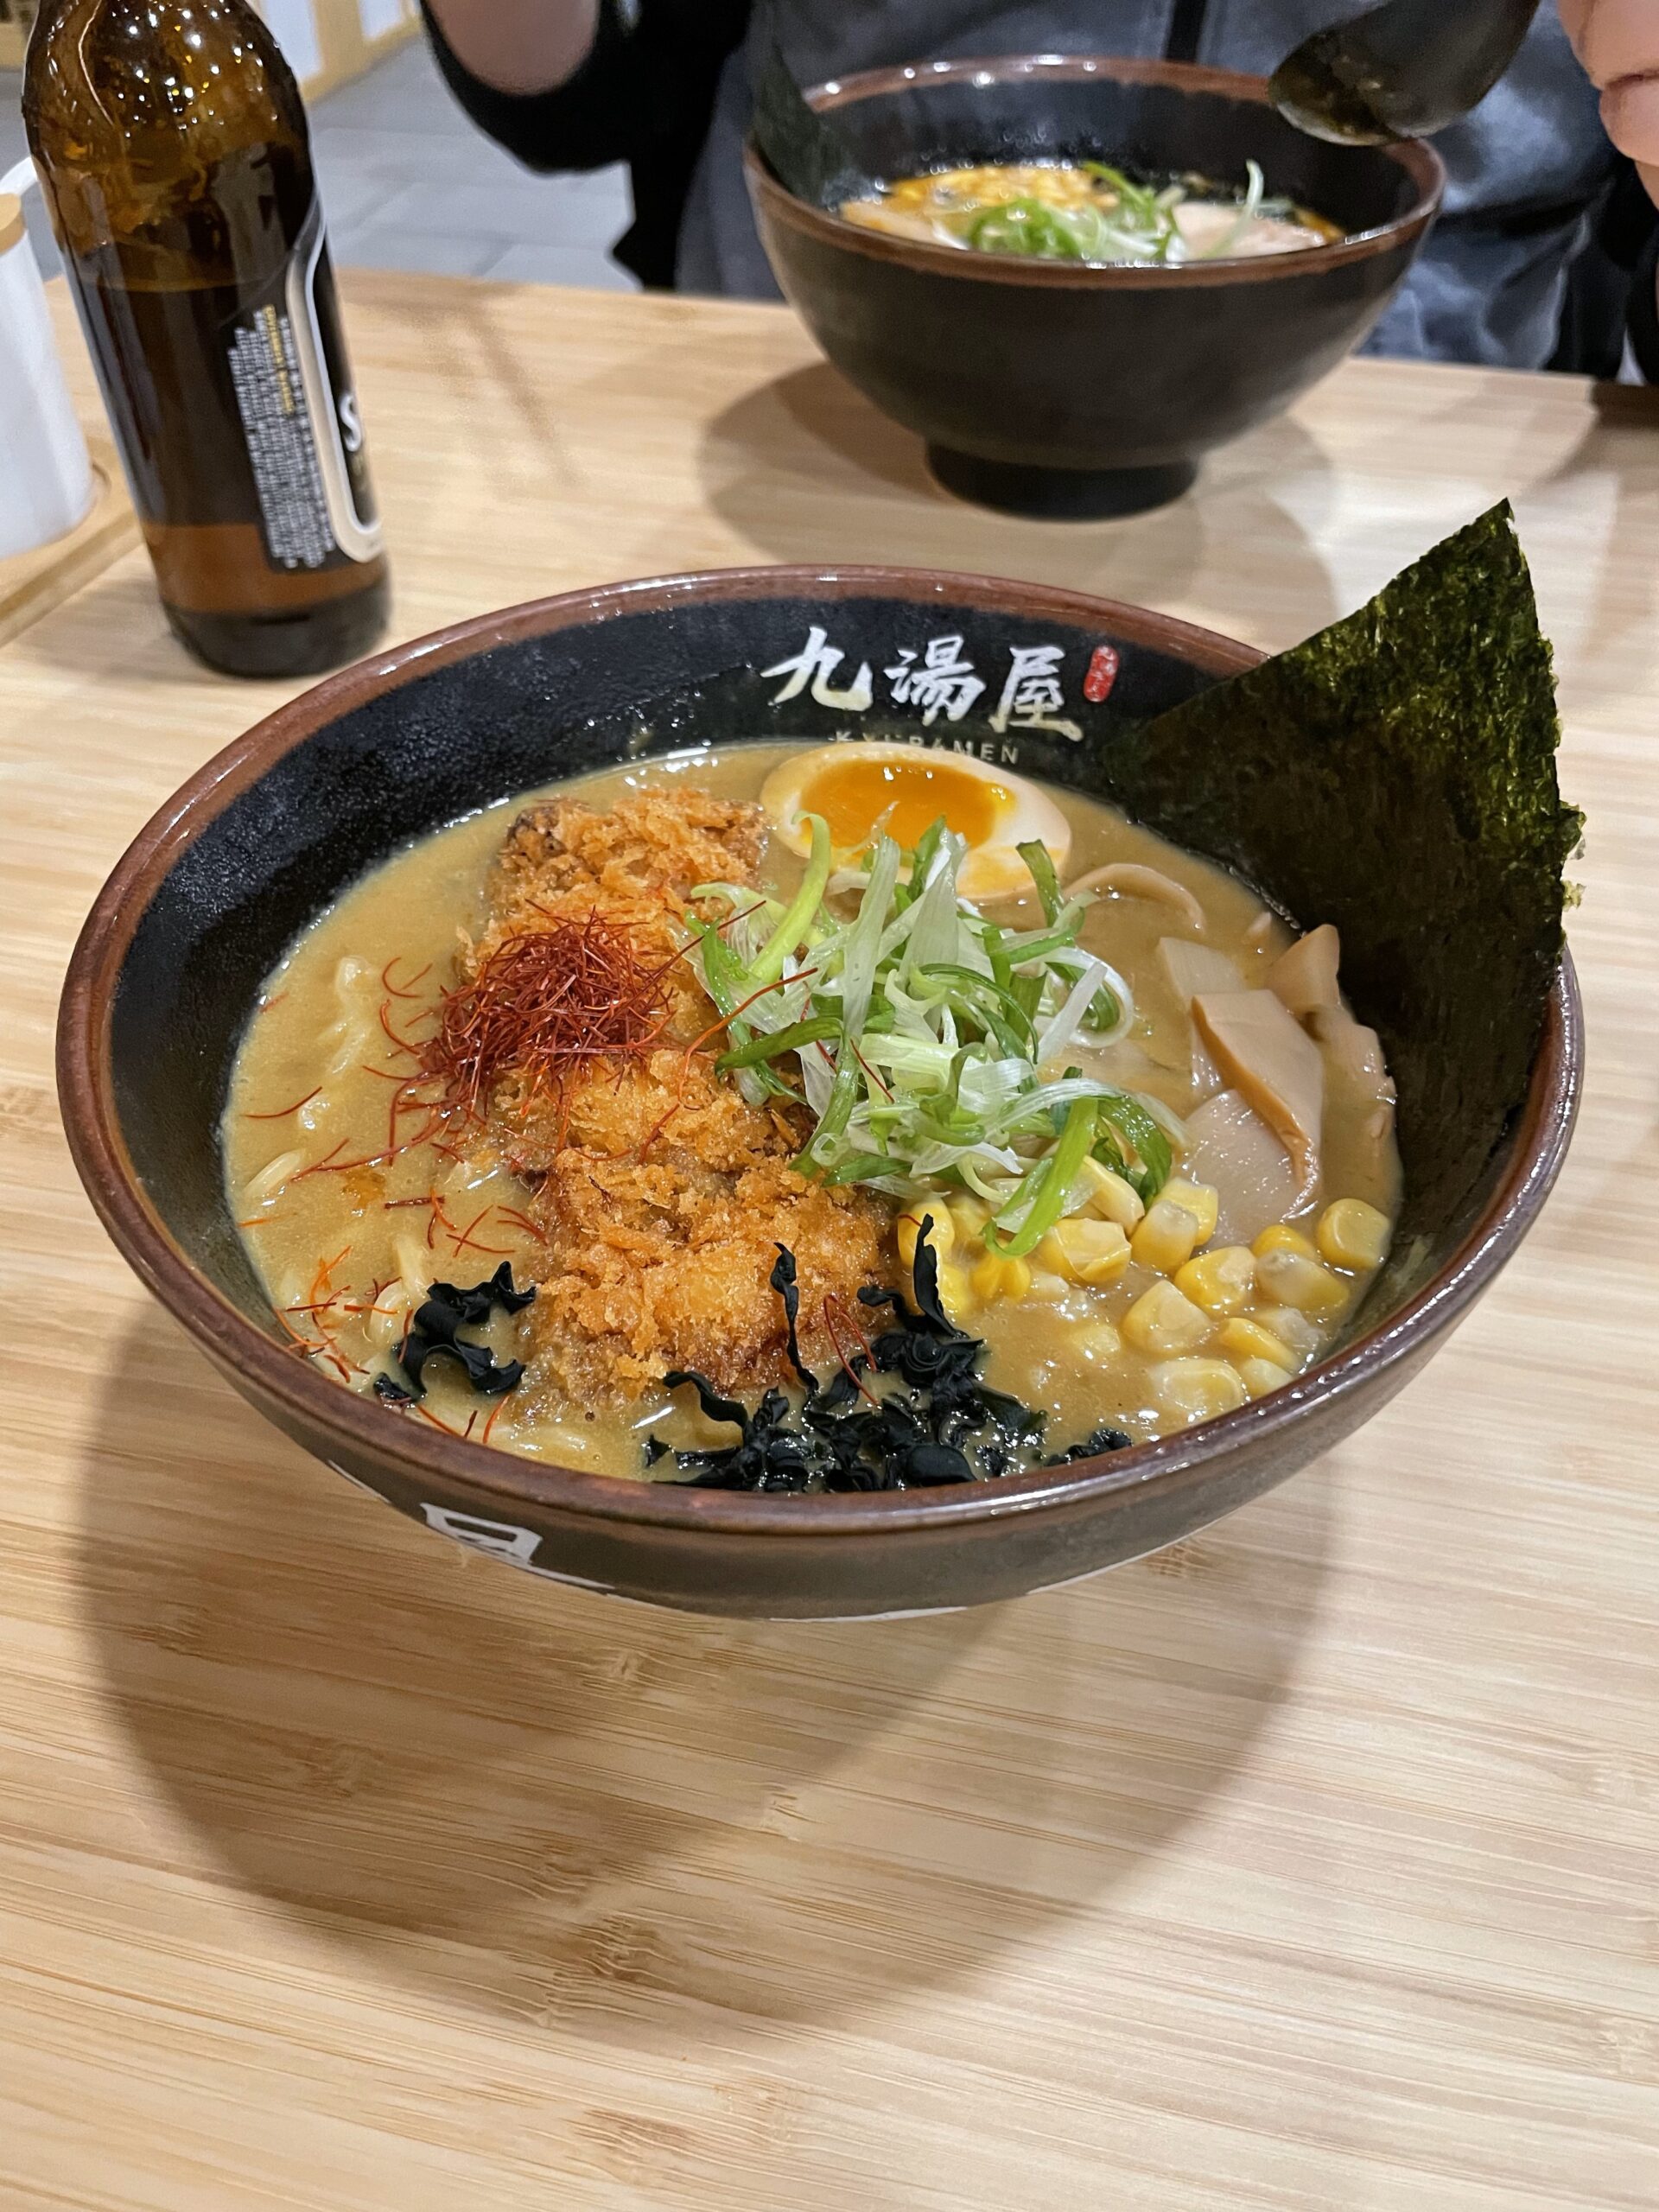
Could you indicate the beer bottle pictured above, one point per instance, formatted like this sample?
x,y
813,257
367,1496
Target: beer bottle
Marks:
x,y
173,152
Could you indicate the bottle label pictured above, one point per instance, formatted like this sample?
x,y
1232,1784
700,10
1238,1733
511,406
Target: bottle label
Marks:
x,y
289,366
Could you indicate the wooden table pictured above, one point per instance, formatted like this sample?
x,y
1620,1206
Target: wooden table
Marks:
x,y
1309,1866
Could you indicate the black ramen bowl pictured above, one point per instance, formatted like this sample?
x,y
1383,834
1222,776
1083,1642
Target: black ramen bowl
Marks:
x,y
1057,389
170,963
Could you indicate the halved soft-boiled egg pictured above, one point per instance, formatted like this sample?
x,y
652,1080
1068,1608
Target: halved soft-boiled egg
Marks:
x,y
903,789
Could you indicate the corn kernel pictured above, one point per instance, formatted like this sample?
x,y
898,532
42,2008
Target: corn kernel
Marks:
x,y
1281,1237
1098,1191
1244,1340
1293,1329
1047,1286
1291,1280
1201,1200
1166,1237
1353,1234
1221,1282
1099,1342
970,1215
956,1290
1161,1320
1196,1390
996,1277
941,1237
1260,1376
1085,1251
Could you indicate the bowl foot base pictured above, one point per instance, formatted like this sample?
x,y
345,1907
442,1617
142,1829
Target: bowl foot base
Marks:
x,y
1059,494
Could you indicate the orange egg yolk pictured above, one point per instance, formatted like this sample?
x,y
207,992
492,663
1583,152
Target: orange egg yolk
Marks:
x,y
852,795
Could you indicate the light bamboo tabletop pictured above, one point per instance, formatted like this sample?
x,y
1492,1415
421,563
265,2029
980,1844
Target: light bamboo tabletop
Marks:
x,y
1313,1864
33,583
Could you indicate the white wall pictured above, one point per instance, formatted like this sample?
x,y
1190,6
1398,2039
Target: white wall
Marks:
x,y
295,28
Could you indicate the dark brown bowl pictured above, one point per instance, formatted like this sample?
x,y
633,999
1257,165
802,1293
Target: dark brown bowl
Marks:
x,y
213,890
1057,389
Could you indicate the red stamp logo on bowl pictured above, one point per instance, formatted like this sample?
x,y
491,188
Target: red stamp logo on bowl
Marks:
x,y
1102,674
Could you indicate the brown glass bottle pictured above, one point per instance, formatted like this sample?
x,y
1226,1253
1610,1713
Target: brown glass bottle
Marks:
x,y
173,152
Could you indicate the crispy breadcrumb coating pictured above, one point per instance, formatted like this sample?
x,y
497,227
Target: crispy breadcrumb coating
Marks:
x,y
662,1194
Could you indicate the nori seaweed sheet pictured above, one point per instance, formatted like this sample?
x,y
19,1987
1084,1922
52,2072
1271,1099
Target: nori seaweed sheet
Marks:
x,y
1395,775
808,155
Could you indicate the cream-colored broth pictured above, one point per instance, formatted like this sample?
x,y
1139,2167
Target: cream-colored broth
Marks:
x,y
346,1240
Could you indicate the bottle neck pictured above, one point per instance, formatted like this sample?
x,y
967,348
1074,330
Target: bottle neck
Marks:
x,y
170,133
50,14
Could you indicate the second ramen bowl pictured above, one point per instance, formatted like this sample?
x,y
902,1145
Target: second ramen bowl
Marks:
x,y
1058,389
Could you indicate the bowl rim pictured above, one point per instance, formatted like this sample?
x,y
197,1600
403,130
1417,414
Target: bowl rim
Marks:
x,y
1419,161
1537,1141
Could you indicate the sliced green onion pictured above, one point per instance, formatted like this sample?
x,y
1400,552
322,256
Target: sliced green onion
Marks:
x,y
1105,1014
1107,1149
925,852
767,966
769,1046
1249,207
723,980
986,991
1041,1198
865,1167
918,1030
1025,226
929,1064
1032,950
1130,1119
1038,858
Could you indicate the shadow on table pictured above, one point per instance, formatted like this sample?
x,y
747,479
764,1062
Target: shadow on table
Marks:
x,y
810,471
114,633
562,1810
1620,448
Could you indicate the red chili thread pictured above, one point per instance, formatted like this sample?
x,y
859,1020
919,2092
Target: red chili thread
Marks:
x,y
402,1043
831,1306
868,1071
511,1216
407,990
282,1112
317,1165
542,1003
464,1240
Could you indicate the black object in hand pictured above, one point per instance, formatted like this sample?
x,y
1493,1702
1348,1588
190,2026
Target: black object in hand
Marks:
x,y
1404,70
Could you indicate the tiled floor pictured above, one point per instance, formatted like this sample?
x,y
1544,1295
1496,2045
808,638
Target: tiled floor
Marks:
x,y
409,183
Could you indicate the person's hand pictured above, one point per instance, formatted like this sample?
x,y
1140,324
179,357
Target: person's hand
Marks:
x,y
1618,42
518,46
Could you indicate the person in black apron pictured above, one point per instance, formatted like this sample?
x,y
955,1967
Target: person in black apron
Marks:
x,y
1545,254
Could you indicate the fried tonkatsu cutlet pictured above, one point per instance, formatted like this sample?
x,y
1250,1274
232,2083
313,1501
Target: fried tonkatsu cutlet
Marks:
x,y
662,1194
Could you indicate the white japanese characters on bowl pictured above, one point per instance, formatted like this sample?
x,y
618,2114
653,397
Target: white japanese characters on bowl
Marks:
x,y
938,679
